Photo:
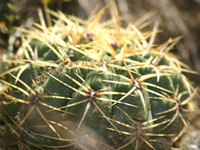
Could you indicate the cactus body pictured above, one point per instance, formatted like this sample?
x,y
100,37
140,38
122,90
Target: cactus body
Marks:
x,y
90,85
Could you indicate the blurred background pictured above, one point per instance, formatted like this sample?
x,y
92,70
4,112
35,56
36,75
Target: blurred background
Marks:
x,y
176,18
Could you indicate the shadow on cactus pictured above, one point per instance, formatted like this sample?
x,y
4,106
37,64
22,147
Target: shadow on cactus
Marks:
x,y
93,85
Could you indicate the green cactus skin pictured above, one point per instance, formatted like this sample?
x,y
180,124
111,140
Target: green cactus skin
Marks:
x,y
88,85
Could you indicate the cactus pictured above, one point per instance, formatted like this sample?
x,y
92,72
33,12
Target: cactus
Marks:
x,y
93,85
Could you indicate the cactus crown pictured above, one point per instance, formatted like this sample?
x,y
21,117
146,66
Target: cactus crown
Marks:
x,y
89,84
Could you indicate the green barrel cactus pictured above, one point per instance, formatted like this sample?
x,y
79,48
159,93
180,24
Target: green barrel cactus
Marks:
x,y
91,85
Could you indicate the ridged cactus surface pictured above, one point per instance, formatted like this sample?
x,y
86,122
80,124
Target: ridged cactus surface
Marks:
x,y
91,85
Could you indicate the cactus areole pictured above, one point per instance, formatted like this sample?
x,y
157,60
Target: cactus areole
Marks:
x,y
91,85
